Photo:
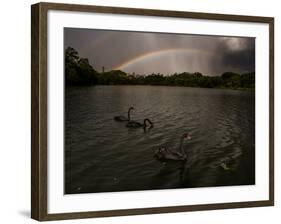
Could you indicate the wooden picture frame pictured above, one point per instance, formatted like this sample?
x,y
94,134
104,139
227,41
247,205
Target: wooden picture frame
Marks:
x,y
39,109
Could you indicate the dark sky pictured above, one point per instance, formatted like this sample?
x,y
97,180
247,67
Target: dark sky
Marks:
x,y
145,53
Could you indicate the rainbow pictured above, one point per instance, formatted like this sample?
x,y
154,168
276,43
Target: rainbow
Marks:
x,y
155,54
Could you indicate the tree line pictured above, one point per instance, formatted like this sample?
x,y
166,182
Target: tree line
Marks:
x,y
78,71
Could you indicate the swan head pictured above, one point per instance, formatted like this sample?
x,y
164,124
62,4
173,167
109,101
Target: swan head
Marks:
x,y
131,108
149,121
187,136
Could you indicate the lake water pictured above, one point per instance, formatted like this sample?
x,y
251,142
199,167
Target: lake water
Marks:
x,y
102,155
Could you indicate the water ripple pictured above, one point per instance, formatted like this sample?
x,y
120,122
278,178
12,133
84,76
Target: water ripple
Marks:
x,y
103,155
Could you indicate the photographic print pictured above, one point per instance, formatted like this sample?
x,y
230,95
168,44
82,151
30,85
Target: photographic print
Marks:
x,y
144,111
152,111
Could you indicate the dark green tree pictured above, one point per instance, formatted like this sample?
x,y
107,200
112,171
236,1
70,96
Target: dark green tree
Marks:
x,y
87,74
71,57
78,71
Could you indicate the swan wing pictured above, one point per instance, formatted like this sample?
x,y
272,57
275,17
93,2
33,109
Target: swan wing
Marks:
x,y
168,154
176,155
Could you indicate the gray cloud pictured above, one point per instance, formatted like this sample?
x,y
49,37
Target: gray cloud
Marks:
x,y
242,58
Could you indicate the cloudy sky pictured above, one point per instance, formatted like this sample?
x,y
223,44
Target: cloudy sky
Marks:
x,y
146,53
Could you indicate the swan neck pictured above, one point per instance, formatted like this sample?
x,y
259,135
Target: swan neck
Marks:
x,y
181,146
147,120
144,122
129,114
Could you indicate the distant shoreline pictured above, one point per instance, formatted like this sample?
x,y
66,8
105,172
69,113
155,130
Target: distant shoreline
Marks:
x,y
197,87
79,72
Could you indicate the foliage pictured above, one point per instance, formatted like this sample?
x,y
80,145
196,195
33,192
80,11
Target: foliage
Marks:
x,y
78,71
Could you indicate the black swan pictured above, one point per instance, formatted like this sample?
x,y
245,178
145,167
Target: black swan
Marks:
x,y
135,124
123,118
163,153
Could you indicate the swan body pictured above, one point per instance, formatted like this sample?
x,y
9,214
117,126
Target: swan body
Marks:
x,y
164,154
167,154
136,124
123,118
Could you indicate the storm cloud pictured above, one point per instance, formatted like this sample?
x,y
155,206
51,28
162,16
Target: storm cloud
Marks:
x,y
146,53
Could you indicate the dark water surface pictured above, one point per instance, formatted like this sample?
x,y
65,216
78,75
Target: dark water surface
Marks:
x,y
103,155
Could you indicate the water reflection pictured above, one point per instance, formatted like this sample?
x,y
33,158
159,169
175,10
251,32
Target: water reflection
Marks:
x,y
103,155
